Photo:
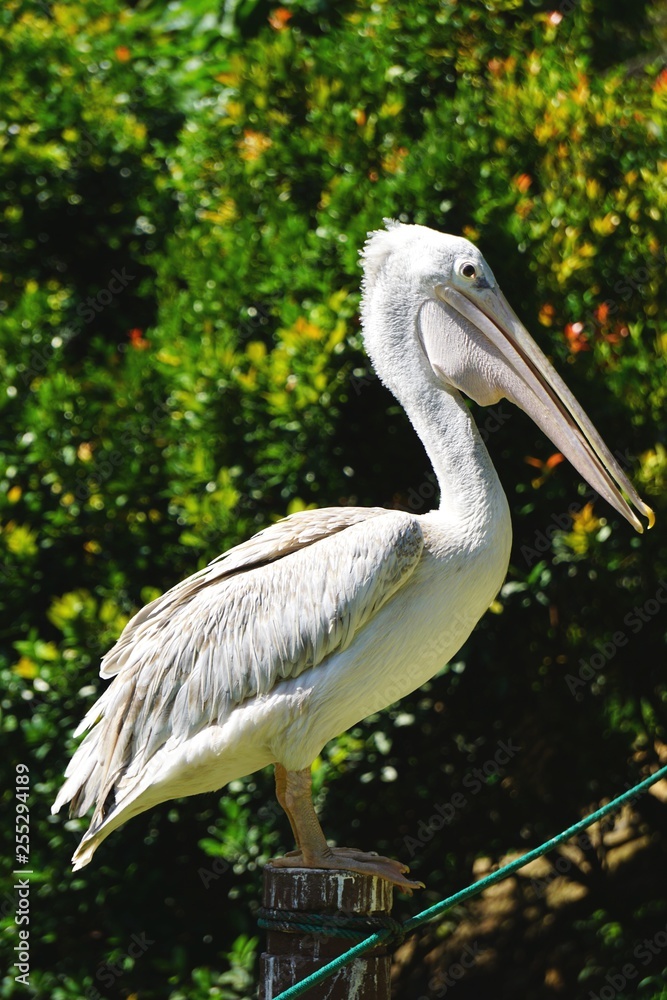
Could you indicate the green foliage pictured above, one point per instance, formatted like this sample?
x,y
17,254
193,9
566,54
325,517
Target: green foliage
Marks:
x,y
184,190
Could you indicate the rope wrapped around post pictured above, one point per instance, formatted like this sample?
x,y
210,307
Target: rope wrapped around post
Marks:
x,y
353,927
311,916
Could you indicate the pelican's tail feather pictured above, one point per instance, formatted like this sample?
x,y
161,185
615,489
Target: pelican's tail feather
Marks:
x,y
204,763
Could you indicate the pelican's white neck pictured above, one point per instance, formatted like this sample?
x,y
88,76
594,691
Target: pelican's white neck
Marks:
x,y
470,491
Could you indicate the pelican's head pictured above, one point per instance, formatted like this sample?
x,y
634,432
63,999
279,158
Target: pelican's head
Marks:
x,y
432,310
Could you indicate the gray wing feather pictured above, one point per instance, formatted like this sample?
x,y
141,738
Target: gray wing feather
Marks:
x,y
288,535
263,612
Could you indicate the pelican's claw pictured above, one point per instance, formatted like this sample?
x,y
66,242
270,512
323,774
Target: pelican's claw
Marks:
x,y
352,860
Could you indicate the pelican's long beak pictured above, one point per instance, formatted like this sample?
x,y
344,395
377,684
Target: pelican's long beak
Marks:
x,y
535,386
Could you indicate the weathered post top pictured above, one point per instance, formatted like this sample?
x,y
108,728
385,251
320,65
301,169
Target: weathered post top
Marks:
x,y
312,915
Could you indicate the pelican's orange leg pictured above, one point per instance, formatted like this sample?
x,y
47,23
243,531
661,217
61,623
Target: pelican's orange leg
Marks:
x,y
294,793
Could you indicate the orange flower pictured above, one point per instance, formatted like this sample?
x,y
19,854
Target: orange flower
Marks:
x,y
601,313
544,467
576,338
523,182
392,162
254,144
546,314
279,17
123,54
551,462
497,66
616,335
661,83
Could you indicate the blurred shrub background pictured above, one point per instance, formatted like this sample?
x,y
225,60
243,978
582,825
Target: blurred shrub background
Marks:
x,y
184,188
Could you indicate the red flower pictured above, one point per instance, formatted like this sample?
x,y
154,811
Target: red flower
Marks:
x,y
137,339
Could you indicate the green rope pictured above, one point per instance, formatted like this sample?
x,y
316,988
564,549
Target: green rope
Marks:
x,y
352,926
472,890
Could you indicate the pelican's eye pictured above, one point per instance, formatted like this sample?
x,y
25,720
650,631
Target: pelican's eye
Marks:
x,y
468,270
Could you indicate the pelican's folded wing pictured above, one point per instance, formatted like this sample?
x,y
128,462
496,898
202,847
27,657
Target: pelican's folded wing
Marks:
x,y
280,539
265,611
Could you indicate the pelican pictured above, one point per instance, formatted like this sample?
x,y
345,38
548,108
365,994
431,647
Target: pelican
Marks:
x,y
330,615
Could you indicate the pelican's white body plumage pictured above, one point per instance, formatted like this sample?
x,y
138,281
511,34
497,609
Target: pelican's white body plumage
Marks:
x,y
330,615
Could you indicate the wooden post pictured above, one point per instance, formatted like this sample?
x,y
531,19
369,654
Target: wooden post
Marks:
x,y
291,955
